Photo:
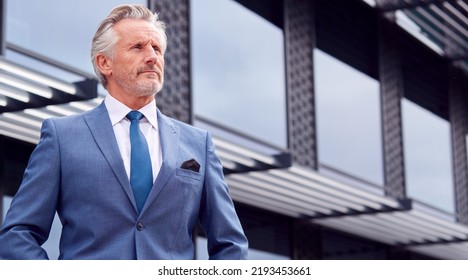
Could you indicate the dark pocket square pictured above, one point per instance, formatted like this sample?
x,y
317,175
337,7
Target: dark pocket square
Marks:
x,y
191,164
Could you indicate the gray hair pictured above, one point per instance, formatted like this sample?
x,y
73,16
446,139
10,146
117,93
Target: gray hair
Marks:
x,y
106,37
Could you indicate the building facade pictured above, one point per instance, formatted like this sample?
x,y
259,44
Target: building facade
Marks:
x,y
341,124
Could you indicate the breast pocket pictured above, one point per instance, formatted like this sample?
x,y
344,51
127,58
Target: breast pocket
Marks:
x,y
189,174
189,185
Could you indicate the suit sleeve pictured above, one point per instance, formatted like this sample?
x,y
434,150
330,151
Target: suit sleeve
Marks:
x,y
226,239
28,221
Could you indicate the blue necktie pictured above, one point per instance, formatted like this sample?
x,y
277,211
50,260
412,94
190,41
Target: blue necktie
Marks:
x,y
141,174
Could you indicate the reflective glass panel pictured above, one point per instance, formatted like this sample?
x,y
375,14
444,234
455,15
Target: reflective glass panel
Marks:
x,y
51,246
428,160
348,119
238,75
60,30
253,254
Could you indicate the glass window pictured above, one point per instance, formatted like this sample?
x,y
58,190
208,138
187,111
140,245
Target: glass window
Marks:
x,y
45,68
56,29
238,69
337,246
428,160
59,31
254,254
51,246
348,119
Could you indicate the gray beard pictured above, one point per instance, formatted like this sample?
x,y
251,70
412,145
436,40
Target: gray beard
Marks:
x,y
143,89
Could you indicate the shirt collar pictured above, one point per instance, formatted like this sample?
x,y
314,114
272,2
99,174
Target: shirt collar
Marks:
x,y
117,111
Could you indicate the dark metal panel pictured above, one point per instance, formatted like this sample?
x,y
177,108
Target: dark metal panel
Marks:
x,y
299,44
348,30
307,241
16,155
458,99
270,10
391,85
342,246
401,253
175,98
265,230
425,76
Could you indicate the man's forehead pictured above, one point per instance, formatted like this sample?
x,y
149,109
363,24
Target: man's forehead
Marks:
x,y
134,29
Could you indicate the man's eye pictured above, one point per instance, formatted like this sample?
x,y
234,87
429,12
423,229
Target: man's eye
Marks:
x,y
137,46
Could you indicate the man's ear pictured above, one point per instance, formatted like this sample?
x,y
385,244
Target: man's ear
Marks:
x,y
104,64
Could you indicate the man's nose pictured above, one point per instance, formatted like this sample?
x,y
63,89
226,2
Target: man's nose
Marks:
x,y
151,55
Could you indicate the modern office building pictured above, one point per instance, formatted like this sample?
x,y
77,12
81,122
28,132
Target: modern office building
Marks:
x,y
341,124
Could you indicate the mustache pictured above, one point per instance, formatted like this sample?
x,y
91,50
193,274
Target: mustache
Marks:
x,y
149,68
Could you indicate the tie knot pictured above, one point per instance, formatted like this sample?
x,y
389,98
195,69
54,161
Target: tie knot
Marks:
x,y
134,116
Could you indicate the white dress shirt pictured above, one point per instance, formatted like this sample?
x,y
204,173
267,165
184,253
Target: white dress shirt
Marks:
x,y
148,126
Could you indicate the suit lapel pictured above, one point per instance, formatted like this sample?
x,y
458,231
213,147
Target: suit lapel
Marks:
x,y
169,139
100,126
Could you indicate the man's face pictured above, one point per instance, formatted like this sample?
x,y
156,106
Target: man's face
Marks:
x,y
137,67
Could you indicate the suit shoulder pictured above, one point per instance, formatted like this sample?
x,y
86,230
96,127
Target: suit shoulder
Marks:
x,y
76,117
186,128
67,122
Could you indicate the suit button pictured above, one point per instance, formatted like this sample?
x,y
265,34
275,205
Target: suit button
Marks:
x,y
140,226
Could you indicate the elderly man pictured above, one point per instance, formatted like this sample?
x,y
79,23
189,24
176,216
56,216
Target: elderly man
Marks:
x,y
126,181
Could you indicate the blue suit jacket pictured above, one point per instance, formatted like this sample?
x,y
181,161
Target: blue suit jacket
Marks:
x,y
77,170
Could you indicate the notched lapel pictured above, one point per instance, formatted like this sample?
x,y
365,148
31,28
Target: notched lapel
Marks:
x,y
169,139
100,126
